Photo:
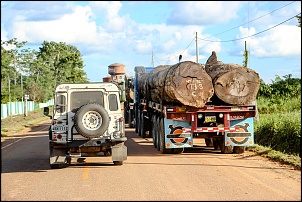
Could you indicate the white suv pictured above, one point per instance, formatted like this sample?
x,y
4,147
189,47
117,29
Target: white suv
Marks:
x,y
87,121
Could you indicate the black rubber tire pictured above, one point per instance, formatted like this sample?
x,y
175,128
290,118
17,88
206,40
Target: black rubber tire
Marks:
x,y
225,149
216,144
157,134
143,131
139,123
49,133
178,150
91,120
209,142
118,163
239,149
162,142
154,130
107,152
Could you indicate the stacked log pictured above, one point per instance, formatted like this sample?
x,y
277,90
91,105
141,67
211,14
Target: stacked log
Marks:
x,y
233,83
184,83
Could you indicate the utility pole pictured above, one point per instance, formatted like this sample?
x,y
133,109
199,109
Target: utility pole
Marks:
x,y
246,57
152,60
196,49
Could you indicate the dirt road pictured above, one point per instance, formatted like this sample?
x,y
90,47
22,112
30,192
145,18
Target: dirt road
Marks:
x,y
200,173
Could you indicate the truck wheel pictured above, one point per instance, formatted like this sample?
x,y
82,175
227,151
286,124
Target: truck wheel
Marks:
x,y
154,131
178,150
209,142
157,134
162,142
143,131
239,149
136,118
118,163
216,143
91,120
225,149
50,133
107,152
139,123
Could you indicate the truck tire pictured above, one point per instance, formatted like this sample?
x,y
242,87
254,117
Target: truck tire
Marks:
x,y
91,120
139,123
154,130
118,163
216,143
143,128
157,133
225,149
239,149
178,150
162,142
209,142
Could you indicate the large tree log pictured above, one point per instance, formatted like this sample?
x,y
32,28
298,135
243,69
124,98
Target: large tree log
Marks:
x,y
184,83
233,83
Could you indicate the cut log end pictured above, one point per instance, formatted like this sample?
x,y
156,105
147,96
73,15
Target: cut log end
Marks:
x,y
238,86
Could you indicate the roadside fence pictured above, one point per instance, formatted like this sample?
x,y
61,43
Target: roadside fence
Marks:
x,y
15,108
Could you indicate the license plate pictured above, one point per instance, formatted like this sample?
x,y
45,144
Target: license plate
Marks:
x,y
60,127
210,119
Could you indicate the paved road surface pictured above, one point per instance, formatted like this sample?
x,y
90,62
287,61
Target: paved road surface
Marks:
x,y
200,173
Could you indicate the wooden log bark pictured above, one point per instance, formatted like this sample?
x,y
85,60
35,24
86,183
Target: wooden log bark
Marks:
x,y
233,83
184,83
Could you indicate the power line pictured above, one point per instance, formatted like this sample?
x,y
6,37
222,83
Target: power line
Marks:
x,y
179,54
253,34
248,21
204,39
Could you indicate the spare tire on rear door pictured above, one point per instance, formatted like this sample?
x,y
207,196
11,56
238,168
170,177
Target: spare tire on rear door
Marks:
x,y
91,120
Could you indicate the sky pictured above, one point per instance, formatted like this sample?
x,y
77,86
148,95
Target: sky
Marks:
x,y
152,33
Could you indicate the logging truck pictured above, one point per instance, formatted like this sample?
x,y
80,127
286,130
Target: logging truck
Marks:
x,y
174,104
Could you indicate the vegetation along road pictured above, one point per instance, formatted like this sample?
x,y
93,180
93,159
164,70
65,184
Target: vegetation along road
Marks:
x,y
200,173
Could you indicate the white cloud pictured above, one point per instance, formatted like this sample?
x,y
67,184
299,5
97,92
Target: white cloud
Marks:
x,y
203,12
281,41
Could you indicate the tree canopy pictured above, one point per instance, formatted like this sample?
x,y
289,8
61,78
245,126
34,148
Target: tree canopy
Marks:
x,y
36,73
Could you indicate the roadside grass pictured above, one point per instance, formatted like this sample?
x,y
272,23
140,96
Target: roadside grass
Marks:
x,y
277,156
17,123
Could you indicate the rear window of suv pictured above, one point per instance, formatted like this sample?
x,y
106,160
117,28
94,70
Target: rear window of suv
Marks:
x,y
77,99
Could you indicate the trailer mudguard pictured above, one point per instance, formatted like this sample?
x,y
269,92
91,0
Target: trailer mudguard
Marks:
x,y
245,135
174,136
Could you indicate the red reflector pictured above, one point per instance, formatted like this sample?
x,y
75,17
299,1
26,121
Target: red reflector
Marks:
x,y
54,122
59,136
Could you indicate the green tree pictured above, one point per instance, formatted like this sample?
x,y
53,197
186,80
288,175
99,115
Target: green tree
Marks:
x,y
10,74
57,63
299,20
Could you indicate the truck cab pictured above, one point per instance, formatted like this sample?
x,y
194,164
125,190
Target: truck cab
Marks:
x,y
87,121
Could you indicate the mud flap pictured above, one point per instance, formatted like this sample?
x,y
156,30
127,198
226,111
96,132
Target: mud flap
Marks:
x,y
57,156
58,159
119,152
